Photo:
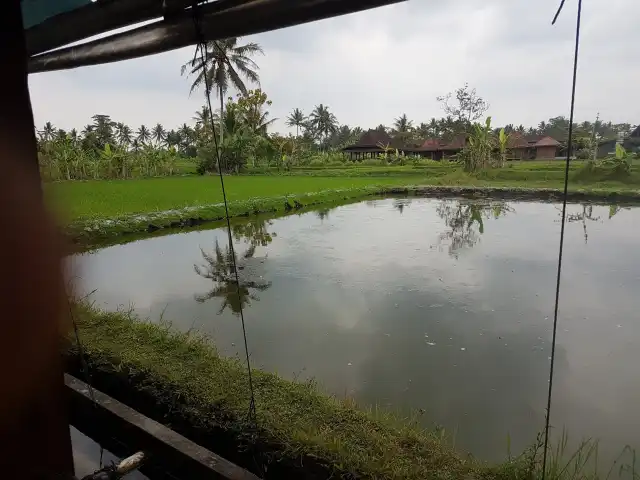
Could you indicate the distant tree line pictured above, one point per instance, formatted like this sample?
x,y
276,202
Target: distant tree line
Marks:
x,y
236,135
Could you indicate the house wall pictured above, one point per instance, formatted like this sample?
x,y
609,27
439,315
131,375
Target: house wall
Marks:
x,y
517,153
546,152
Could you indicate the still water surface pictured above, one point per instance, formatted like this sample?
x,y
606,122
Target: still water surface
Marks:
x,y
441,306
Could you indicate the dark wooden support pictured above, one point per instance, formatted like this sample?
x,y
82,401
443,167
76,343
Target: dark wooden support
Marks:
x,y
34,431
168,452
16,120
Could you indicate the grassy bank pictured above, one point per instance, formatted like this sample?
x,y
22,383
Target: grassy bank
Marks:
x,y
299,432
94,211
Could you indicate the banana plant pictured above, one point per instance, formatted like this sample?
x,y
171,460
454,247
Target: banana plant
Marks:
x,y
503,143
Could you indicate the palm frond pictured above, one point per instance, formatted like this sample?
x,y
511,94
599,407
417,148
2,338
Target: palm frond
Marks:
x,y
236,80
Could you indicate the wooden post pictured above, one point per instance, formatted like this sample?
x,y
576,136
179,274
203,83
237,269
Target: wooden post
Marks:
x,y
34,431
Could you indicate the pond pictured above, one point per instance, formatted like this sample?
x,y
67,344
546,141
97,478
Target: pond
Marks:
x,y
442,308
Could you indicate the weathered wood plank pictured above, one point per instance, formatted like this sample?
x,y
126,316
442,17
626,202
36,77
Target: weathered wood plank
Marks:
x,y
167,449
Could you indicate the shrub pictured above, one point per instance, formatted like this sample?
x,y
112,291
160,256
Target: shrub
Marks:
x,y
372,162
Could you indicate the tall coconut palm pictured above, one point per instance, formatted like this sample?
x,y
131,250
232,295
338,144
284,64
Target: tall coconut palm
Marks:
x,y
402,124
143,135
159,134
225,63
87,130
73,136
323,122
296,119
48,132
203,121
124,134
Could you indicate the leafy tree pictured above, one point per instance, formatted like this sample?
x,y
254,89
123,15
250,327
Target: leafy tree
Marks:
x,y
464,105
343,136
173,139
224,64
103,129
251,108
296,119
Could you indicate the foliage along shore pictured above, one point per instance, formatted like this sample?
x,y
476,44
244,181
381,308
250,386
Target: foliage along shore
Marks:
x,y
98,232
181,380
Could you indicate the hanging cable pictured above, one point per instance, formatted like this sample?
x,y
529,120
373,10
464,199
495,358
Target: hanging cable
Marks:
x,y
84,365
202,46
562,229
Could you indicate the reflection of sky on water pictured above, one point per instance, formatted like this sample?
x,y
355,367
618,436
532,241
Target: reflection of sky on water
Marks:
x,y
367,299
87,457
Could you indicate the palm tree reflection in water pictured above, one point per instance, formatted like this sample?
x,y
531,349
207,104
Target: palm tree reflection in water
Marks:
x,y
219,268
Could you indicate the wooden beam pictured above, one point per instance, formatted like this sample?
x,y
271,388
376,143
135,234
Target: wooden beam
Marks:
x,y
244,18
167,450
34,431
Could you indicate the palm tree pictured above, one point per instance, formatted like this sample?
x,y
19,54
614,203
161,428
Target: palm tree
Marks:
x,y
296,119
87,130
159,134
73,136
143,134
124,134
187,137
48,131
173,139
402,124
203,121
323,121
225,61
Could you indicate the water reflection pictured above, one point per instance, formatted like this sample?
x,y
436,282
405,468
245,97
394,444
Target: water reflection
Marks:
x,y
401,203
255,231
465,221
583,216
235,288
362,305
323,213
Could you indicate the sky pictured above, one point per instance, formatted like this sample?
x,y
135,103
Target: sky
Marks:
x,y
371,67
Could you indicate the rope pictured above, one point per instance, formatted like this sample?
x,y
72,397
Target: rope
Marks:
x,y
562,229
202,46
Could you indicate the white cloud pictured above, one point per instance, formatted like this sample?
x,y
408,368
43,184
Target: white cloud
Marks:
x,y
373,66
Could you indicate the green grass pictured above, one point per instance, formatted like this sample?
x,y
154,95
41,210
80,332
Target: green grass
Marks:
x,y
295,420
297,424
114,198
93,211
